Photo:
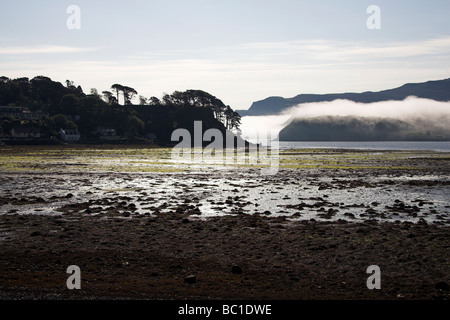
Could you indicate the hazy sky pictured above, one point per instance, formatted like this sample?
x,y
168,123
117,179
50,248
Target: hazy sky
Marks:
x,y
238,50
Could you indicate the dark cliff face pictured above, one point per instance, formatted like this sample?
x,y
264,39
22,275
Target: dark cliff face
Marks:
x,y
332,128
436,90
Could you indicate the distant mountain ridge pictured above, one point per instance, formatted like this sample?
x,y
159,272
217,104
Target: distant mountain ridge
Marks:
x,y
438,90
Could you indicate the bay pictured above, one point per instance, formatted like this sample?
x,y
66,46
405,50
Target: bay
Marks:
x,y
440,146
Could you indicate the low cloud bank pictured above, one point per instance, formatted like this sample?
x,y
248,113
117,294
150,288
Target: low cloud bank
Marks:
x,y
412,118
411,107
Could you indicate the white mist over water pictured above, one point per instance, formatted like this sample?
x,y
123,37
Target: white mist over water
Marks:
x,y
415,109
410,107
257,128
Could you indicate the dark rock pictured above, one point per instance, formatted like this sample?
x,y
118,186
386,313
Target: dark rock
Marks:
x,y
35,234
236,270
191,279
442,286
318,248
349,214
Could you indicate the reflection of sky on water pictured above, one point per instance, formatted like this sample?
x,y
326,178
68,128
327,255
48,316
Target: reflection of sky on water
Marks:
x,y
216,193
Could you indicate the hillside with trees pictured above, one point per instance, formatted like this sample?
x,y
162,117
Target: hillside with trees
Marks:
x,y
350,128
48,106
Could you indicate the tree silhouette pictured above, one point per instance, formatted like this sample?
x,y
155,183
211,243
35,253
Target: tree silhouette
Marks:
x,y
128,94
235,121
154,101
95,93
109,97
70,84
201,99
228,113
142,100
117,88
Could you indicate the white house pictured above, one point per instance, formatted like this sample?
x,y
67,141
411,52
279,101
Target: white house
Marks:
x,y
69,135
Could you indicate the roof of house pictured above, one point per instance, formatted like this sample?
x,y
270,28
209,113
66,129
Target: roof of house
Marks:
x,y
11,109
26,130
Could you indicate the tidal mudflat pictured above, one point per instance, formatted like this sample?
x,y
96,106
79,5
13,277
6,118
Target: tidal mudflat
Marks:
x,y
138,224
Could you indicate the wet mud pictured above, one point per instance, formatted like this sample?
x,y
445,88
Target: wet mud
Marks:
x,y
224,232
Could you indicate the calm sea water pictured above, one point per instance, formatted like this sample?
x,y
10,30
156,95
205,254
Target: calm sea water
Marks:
x,y
442,146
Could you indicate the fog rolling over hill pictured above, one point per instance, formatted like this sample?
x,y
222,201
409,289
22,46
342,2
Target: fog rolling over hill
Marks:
x,y
413,119
413,112
351,128
438,90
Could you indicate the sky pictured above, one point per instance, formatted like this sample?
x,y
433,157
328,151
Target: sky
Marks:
x,y
241,51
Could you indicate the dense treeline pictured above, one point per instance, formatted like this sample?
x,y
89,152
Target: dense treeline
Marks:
x,y
68,107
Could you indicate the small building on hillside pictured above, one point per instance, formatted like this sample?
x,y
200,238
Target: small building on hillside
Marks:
x,y
22,113
25,133
69,135
106,132
13,112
